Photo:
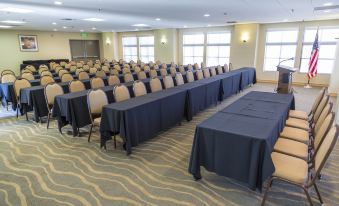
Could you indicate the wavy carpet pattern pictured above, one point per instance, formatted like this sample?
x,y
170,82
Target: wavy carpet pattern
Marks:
x,y
43,167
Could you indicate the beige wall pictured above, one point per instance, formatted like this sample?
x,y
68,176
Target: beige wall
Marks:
x,y
52,45
165,45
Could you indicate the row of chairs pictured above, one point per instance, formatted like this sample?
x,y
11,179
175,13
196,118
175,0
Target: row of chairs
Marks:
x,y
304,146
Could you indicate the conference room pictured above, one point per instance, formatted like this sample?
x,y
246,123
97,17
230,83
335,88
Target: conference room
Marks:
x,y
169,102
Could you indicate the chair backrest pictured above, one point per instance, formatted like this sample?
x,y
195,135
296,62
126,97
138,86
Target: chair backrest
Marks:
x,y
213,72
8,78
319,97
31,67
163,72
96,100
168,82
79,65
190,76
155,84
182,69
179,79
105,68
63,63
126,70
147,68
121,93
137,69
93,70
43,66
20,84
46,73
7,71
97,82
78,71
97,65
117,67
156,67
62,72
219,69
86,67
76,86
115,72
142,75
100,73
327,109
128,77
67,77
73,68
158,62
83,75
139,88
226,69
326,125
28,76
164,66
320,108
199,74
173,71
113,80
51,91
153,73
325,150
42,69
207,73
57,69
189,67
196,66
44,80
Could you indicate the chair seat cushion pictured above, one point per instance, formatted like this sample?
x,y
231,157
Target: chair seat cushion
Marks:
x,y
290,168
298,123
292,148
296,134
298,114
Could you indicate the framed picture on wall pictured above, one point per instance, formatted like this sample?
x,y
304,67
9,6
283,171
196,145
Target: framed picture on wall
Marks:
x,y
28,43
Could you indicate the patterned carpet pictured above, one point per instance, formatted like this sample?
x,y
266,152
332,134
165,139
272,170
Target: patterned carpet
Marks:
x,y
42,167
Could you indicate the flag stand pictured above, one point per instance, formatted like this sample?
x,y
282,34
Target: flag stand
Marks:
x,y
308,86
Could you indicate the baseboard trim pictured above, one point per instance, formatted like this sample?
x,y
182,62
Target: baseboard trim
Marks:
x,y
294,83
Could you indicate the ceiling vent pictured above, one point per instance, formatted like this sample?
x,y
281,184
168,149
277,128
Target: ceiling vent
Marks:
x,y
67,19
231,22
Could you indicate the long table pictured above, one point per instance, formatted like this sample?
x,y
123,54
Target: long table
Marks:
x,y
237,141
131,118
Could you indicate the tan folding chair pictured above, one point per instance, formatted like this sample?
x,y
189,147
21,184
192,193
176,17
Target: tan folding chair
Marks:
x,y
93,70
113,80
199,74
18,85
76,86
213,72
7,71
163,72
139,88
121,93
67,77
46,73
51,90
155,84
97,82
28,76
153,73
62,72
44,80
190,76
182,69
100,73
128,77
207,73
219,69
141,75
168,82
179,79
83,76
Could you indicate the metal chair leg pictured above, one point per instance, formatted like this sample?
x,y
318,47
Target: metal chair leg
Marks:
x,y
17,112
266,191
318,193
48,117
308,196
115,142
25,109
90,132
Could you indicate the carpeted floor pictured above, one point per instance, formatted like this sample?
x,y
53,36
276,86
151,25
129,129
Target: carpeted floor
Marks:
x,y
42,167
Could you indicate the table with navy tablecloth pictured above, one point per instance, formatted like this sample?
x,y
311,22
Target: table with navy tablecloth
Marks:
x,y
237,141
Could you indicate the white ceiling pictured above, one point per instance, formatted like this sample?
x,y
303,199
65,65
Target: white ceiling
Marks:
x,y
120,15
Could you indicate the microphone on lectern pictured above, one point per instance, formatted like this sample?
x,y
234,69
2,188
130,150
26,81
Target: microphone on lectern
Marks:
x,y
292,58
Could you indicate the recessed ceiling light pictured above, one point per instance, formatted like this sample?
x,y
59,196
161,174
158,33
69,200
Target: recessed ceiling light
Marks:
x,y
328,4
185,26
13,22
17,10
5,26
327,11
58,3
207,15
140,25
157,19
55,30
136,29
208,25
64,27
54,23
81,30
93,19
285,20
94,28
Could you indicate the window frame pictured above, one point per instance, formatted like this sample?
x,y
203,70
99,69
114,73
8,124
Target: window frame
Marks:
x,y
228,45
138,46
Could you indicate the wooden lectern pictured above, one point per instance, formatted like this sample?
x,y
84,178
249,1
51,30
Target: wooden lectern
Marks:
x,y
285,79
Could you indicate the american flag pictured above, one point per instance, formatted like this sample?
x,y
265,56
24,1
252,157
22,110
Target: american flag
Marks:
x,y
312,65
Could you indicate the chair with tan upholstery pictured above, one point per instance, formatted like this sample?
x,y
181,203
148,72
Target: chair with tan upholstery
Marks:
x,y
226,69
105,68
179,79
18,85
8,78
42,69
219,70
139,88
96,100
213,72
155,84
296,171
190,76
28,76
182,69
147,68
97,66
86,68
153,73
100,73
90,64
168,82
155,67
78,71
196,66
207,73
7,71
137,69
121,93
126,70
43,66
202,64
62,72
67,77
83,76
141,75
164,66
117,67
113,80
128,77
163,72
51,90
46,73
97,82
199,74
173,71
158,62
31,67
79,65
93,70
189,67
57,69
115,72
44,80
73,68
76,86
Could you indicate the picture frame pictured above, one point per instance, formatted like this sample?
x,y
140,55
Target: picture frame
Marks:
x,y
28,43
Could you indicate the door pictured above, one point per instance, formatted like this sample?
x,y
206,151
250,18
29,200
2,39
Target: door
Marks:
x,y
84,49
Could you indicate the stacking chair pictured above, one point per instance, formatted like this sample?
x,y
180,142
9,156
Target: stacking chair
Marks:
x,y
93,70
141,75
147,68
8,78
97,65
155,84
62,72
23,71
173,71
42,69
76,86
126,70
51,91
90,64
182,69
117,67
168,82
226,69
96,100
207,73
113,80
86,68
137,69
179,79
164,66
28,76
163,72
190,76
43,66
100,73
58,68
97,82
83,76
128,77
121,93
67,77
296,171
115,72
31,67
199,74
213,72
44,80
196,66
18,85
189,67
7,71
73,68
78,71
46,73
153,73
139,88
219,70
156,67
158,62
105,68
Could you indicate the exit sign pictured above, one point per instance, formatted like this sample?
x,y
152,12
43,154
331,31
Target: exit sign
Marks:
x,y
84,35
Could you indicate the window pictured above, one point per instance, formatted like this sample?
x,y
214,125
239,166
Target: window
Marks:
x,y
218,48
327,49
280,45
130,48
193,48
146,48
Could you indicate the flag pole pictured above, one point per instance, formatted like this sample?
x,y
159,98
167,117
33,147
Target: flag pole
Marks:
x,y
312,67
308,86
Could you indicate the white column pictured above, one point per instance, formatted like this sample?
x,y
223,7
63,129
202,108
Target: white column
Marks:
x,y
334,81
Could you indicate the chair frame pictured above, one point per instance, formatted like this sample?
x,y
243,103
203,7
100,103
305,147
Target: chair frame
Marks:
x,y
136,82
49,110
7,70
17,96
